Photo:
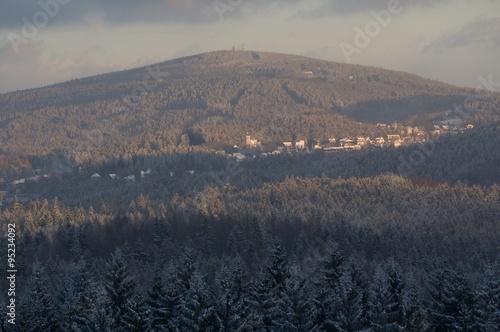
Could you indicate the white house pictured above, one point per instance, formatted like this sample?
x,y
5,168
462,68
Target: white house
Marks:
x,y
300,144
95,176
144,173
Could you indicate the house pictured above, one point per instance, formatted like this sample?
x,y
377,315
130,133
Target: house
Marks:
x,y
113,176
317,146
300,144
363,140
469,126
381,125
409,130
393,137
144,173
379,141
346,142
252,143
130,178
238,156
436,132
18,182
332,140
190,172
95,176
287,144
335,148
33,178
397,143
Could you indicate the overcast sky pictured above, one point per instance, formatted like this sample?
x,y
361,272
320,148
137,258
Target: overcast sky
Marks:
x,y
454,41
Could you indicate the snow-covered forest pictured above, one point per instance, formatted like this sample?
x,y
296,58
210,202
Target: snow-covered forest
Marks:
x,y
373,254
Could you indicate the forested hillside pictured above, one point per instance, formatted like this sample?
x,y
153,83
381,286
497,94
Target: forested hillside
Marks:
x,y
322,254
212,100
471,158
134,202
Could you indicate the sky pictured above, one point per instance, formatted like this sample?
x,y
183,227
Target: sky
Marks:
x,y
49,41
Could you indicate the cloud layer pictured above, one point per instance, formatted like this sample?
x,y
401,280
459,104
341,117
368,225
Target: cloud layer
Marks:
x,y
478,31
432,38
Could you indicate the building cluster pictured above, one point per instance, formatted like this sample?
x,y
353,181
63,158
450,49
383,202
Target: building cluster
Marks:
x,y
128,178
37,174
400,135
251,143
450,127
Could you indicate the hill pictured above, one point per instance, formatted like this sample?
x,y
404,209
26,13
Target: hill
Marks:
x,y
210,101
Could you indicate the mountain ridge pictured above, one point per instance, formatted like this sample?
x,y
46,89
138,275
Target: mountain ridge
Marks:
x,y
220,96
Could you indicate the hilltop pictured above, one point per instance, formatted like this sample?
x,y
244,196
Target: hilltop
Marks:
x,y
210,101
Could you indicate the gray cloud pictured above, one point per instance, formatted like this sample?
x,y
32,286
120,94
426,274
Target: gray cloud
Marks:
x,y
478,31
114,11
349,7
118,12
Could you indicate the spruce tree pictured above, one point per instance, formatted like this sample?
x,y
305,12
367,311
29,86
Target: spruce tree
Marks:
x,y
451,299
487,301
119,289
38,309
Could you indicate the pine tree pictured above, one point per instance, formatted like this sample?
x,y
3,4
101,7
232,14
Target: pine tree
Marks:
x,y
279,266
323,302
349,308
196,311
157,303
297,291
487,301
232,305
136,317
38,309
414,311
80,315
451,299
271,292
274,305
385,301
119,288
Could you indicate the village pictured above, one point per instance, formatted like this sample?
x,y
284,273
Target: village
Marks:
x,y
397,136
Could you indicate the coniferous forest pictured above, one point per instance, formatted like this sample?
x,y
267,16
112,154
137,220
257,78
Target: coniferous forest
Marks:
x,y
385,239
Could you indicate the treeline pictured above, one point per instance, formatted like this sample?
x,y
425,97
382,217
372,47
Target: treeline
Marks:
x,y
320,254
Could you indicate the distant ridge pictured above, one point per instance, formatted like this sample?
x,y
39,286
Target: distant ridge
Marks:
x,y
218,96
